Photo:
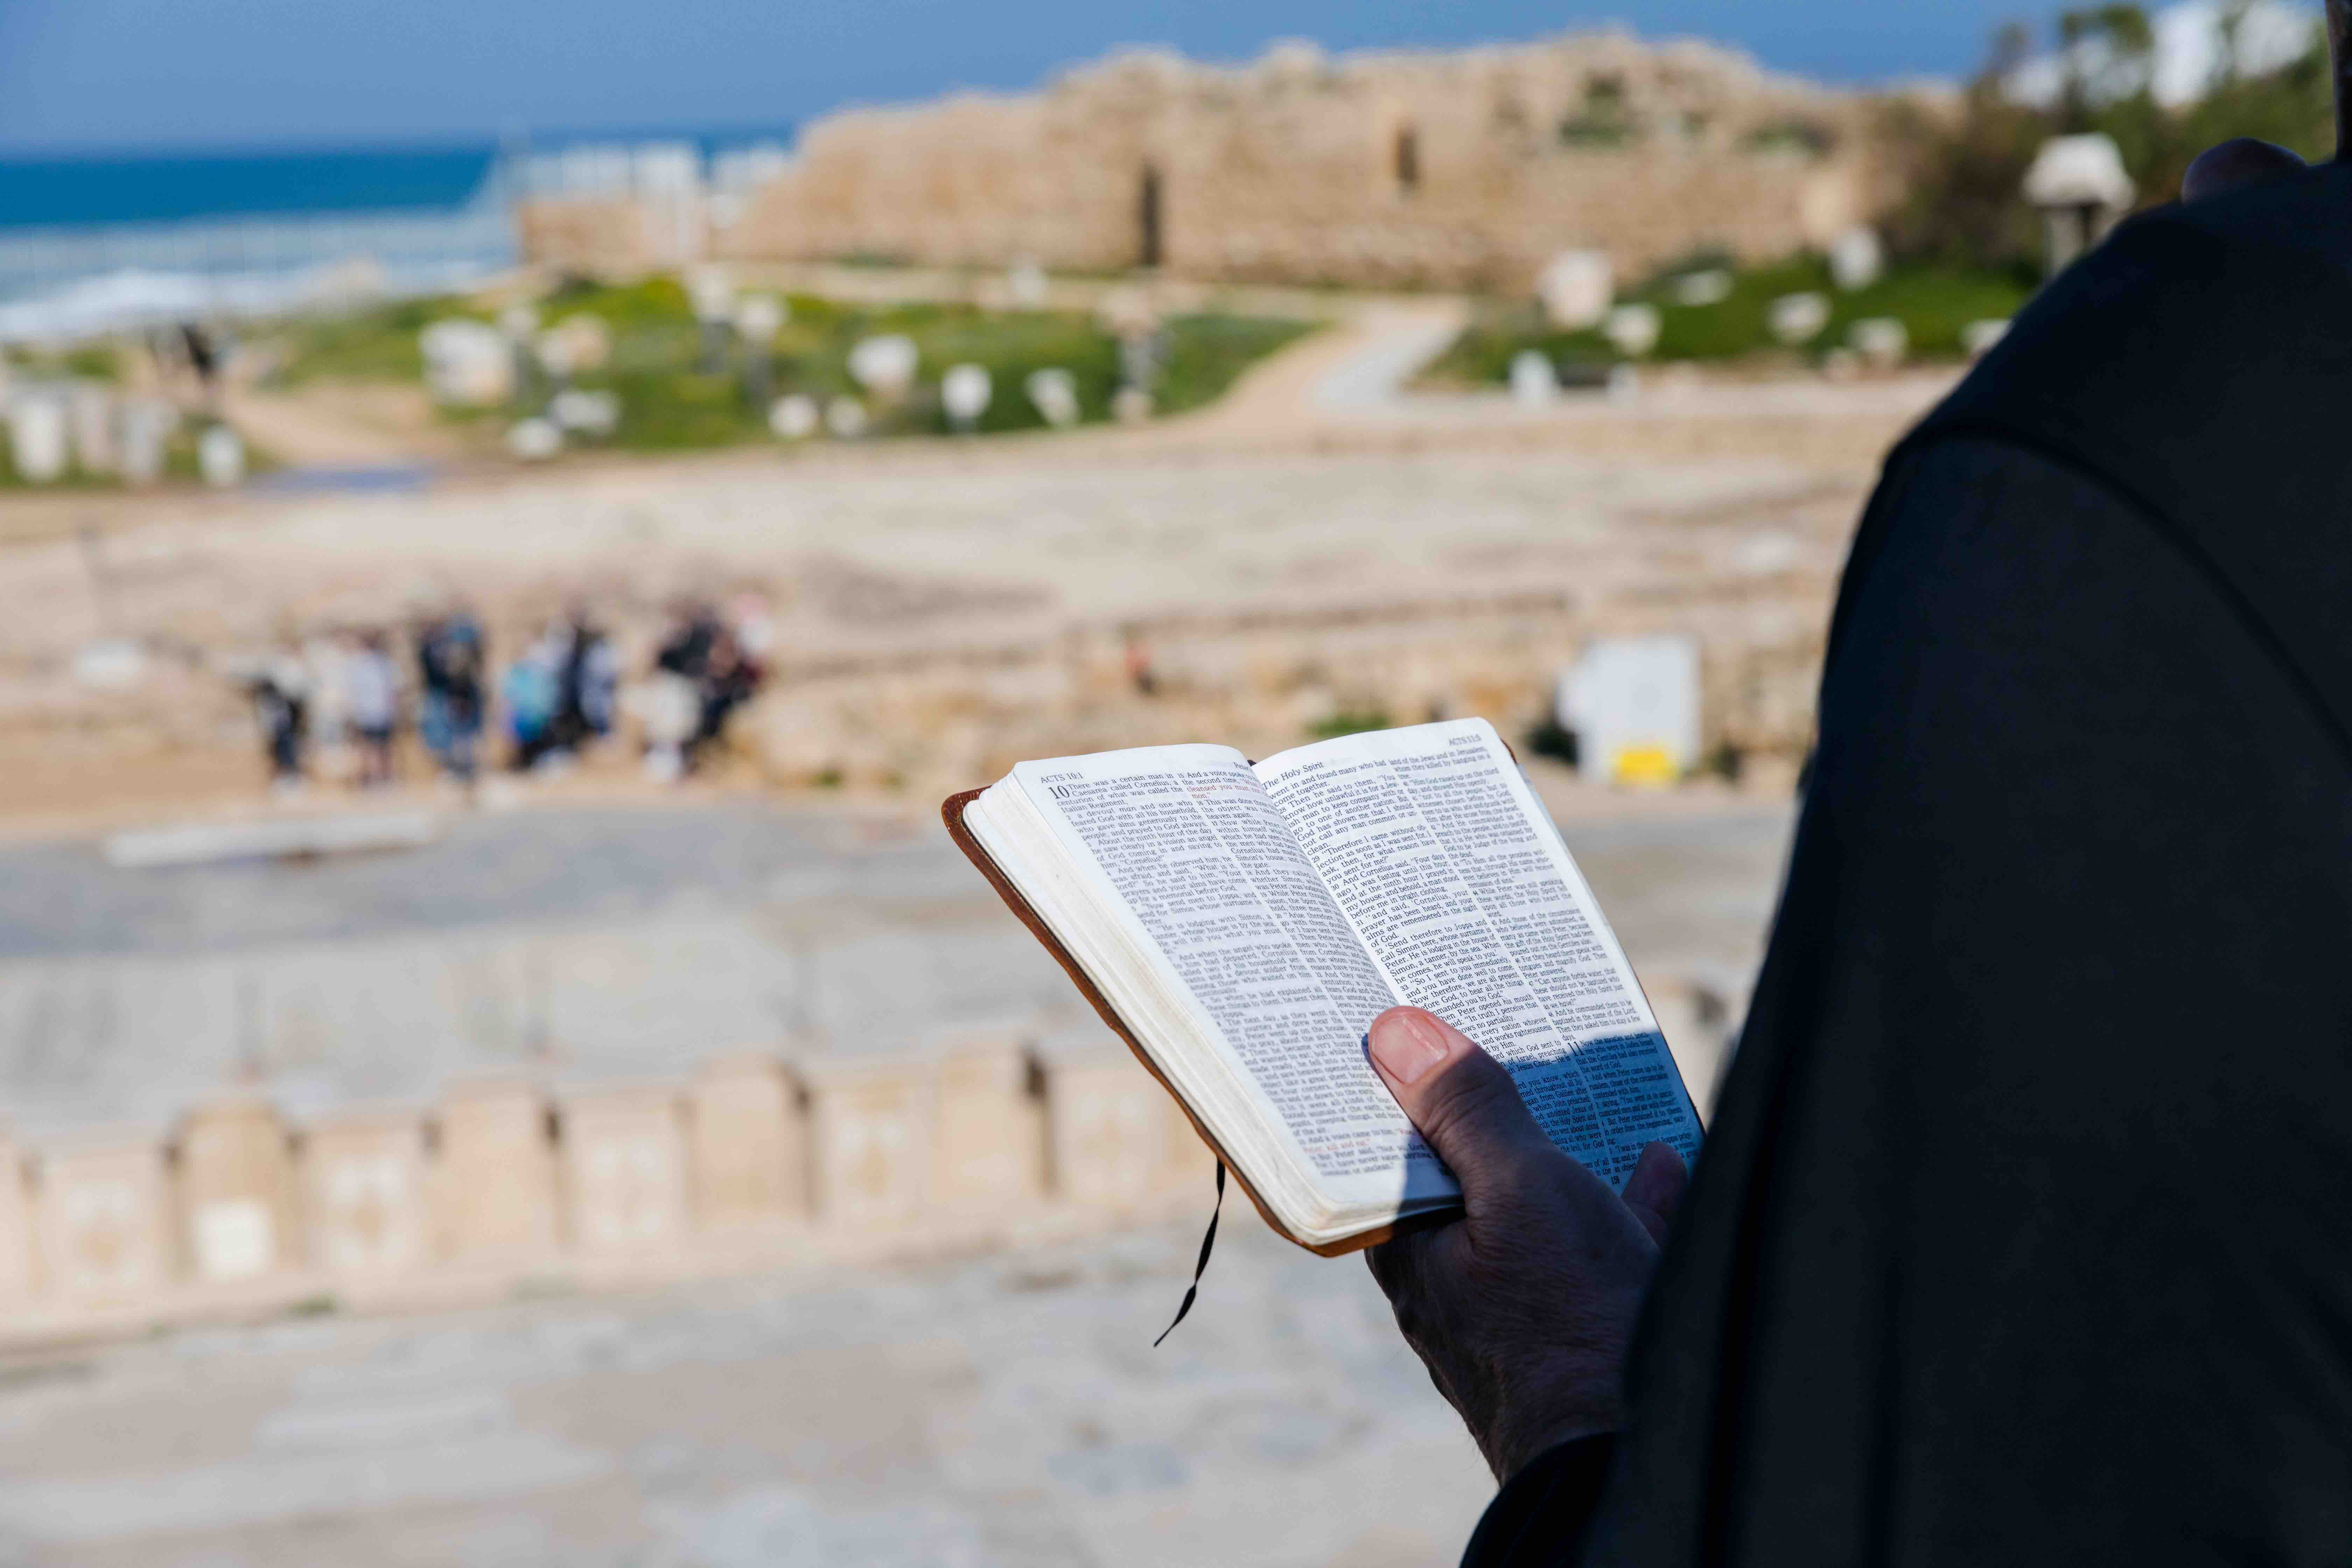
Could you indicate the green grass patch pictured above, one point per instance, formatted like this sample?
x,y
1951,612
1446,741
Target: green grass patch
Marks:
x,y
1934,304
1206,354
674,396
1349,721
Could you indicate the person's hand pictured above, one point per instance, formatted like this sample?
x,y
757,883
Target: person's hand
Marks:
x,y
1521,1307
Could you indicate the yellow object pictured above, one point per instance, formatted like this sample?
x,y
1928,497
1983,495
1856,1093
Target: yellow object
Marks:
x,y
1647,767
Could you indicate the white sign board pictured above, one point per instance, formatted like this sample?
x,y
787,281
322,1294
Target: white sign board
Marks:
x,y
1576,289
1633,704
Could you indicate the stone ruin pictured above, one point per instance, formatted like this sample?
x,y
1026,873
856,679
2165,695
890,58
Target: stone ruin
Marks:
x,y
979,1137
974,1137
1465,169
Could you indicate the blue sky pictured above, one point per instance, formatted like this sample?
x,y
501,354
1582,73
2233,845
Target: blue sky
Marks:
x,y
101,74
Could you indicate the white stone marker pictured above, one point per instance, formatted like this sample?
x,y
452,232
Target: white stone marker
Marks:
x,y
1711,286
794,416
237,1190
1534,383
147,427
1881,340
759,317
965,393
1054,393
1025,284
37,447
844,418
1576,289
535,440
587,342
220,458
467,363
1977,338
2081,188
1633,704
885,365
1633,328
1856,258
109,664
596,414
1794,319
711,292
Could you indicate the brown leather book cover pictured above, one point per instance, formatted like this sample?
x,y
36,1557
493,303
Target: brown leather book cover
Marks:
x,y
951,812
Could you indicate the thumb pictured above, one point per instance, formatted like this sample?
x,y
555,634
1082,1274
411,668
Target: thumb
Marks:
x,y
1459,1097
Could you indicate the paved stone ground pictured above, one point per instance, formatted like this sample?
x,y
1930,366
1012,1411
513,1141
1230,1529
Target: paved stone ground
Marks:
x,y
1004,1411
616,942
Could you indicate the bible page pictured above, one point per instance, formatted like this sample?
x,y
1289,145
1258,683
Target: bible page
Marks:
x,y
1202,861
1452,874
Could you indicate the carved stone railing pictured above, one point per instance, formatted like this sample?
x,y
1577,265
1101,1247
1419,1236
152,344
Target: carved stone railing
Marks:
x,y
508,1184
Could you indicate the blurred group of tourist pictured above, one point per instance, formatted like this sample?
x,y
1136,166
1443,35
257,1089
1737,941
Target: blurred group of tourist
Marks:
x,y
336,707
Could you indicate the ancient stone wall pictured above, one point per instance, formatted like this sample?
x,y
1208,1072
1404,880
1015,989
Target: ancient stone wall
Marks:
x,y
1466,169
977,1137
982,1136
932,721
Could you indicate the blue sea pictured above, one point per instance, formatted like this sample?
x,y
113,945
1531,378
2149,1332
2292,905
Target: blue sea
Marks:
x,y
115,188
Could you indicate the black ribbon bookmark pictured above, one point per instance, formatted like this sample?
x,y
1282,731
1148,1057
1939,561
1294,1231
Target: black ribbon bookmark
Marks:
x,y
1201,1268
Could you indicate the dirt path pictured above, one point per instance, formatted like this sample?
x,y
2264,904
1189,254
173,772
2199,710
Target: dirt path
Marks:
x,y
331,427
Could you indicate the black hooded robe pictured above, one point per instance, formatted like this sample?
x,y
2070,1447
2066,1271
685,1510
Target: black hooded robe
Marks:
x,y
2024,1232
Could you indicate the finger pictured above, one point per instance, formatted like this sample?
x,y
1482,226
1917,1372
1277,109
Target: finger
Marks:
x,y
2239,163
1459,1097
1654,1191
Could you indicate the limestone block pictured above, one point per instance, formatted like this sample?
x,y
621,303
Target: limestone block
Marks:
x,y
989,1157
105,1218
748,1148
625,1169
366,1197
871,1130
16,1224
495,1177
1120,1142
236,1191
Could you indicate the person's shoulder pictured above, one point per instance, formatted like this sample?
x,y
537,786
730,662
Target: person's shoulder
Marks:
x,y
2213,328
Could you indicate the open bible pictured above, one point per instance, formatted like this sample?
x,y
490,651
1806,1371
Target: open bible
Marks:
x,y
1241,925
